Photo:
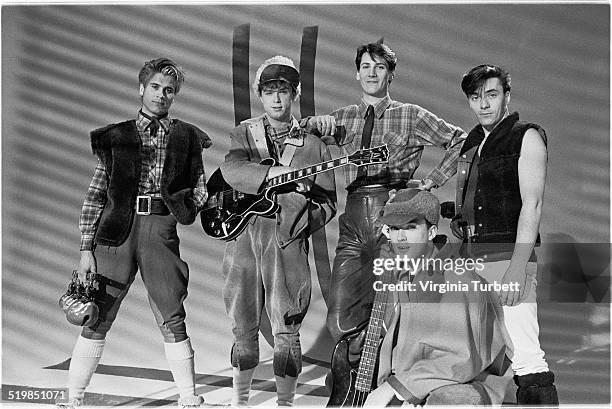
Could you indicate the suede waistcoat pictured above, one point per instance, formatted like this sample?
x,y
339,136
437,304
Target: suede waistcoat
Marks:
x,y
118,147
497,200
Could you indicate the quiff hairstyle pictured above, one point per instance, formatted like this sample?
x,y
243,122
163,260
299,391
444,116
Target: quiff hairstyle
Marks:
x,y
379,50
475,78
164,66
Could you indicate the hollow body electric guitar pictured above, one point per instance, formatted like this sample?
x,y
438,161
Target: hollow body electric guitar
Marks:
x,y
227,211
350,387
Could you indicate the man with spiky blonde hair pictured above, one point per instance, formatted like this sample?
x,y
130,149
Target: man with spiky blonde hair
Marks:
x,y
267,264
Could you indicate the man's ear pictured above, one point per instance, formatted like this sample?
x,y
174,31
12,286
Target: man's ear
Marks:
x,y
141,91
433,231
357,76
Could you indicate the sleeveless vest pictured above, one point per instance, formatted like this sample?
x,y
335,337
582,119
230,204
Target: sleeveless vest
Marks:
x,y
497,200
118,147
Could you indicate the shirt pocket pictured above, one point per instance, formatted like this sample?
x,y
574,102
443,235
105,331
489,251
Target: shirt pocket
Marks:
x,y
347,138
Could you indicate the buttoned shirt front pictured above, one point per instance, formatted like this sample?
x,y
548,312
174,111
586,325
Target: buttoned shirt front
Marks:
x,y
406,129
153,155
278,137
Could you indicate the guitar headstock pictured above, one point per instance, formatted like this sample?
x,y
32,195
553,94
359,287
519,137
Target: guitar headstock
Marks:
x,y
370,156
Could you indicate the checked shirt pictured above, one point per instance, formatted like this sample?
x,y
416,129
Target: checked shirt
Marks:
x,y
153,154
406,129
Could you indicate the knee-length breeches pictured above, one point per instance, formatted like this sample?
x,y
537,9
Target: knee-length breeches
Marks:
x,y
153,248
259,273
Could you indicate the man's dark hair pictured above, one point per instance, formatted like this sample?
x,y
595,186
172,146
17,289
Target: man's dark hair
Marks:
x,y
379,50
477,76
164,66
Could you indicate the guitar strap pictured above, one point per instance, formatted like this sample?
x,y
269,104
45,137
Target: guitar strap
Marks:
x,y
258,132
287,155
291,143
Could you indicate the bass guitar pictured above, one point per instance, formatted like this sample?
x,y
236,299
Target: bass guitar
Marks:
x,y
350,387
227,211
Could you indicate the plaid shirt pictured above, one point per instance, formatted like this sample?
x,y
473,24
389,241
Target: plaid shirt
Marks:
x,y
406,129
278,136
153,154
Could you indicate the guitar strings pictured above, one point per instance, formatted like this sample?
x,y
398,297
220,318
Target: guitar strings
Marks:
x,y
226,193
359,397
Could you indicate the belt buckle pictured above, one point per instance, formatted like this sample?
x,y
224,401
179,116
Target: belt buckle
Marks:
x,y
143,200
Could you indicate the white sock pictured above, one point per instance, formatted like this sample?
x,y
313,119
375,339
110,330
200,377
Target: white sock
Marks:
x,y
241,386
180,360
285,390
85,357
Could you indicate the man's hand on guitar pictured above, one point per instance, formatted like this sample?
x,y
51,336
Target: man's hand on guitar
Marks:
x,y
325,124
303,185
380,396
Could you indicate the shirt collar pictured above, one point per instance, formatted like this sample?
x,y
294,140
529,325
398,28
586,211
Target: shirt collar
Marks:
x,y
476,135
379,108
503,125
143,121
294,135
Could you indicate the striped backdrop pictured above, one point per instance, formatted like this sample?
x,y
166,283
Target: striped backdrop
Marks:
x,y
69,69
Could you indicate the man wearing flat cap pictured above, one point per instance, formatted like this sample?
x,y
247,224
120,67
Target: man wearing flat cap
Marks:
x,y
444,343
267,264
406,129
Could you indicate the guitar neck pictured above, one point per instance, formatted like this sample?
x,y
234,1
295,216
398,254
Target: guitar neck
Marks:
x,y
369,354
308,171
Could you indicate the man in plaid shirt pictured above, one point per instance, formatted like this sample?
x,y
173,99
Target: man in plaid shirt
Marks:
x,y
406,129
149,176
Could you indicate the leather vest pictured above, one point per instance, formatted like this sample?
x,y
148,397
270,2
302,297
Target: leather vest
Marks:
x,y
118,147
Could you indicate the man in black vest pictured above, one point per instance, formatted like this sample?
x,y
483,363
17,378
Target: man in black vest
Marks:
x,y
149,176
500,189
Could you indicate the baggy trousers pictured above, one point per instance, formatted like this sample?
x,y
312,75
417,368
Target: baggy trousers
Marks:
x,y
258,273
153,248
351,294
521,320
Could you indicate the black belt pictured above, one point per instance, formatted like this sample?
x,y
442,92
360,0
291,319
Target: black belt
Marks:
x,y
146,205
373,182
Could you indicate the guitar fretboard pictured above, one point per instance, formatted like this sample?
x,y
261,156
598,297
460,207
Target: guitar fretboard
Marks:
x,y
308,171
369,354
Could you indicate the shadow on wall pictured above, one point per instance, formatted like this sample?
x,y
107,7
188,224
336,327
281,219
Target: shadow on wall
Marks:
x,y
573,272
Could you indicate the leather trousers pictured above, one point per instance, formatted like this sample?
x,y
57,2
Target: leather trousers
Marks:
x,y
351,293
